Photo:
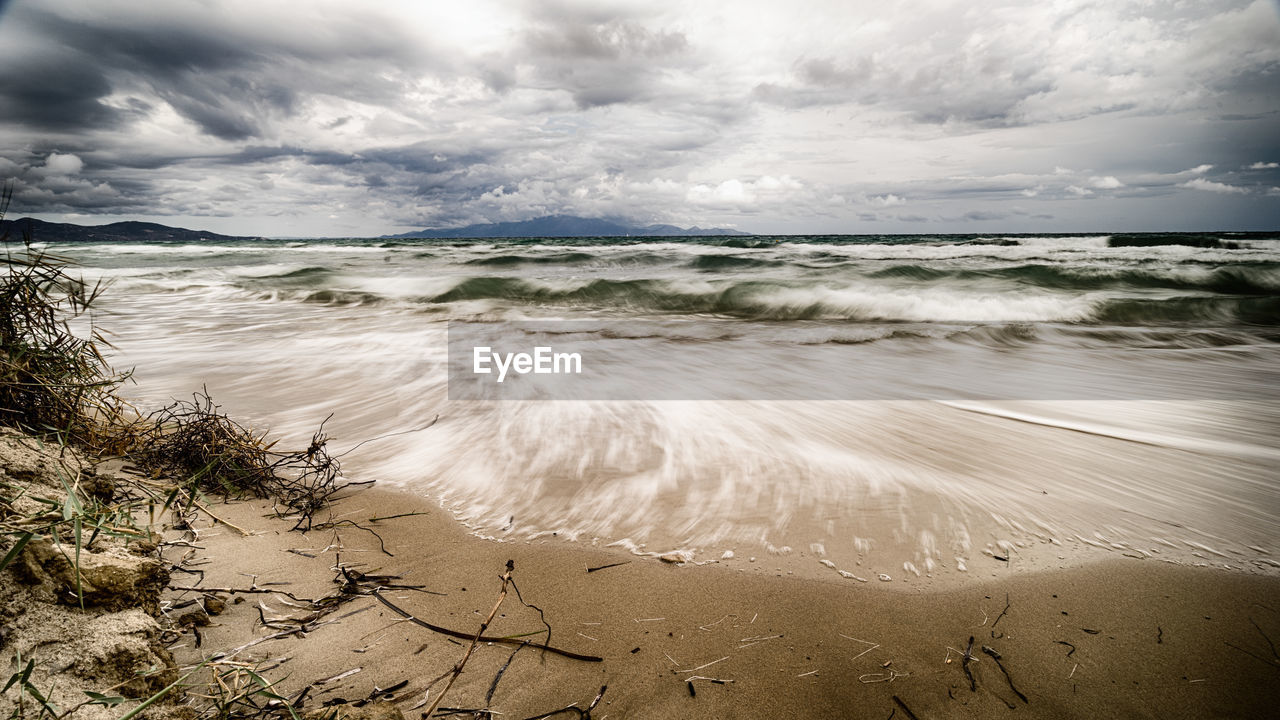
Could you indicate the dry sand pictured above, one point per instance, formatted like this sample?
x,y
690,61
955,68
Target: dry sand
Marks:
x,y
110,646
1116,637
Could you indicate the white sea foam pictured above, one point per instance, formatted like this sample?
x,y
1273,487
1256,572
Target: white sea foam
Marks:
x,y
932,305
1064,242
864,486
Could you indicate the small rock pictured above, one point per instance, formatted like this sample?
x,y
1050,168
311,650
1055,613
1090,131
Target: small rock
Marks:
x,y
214,605
122,647
143,548
112,582
197,618
100,487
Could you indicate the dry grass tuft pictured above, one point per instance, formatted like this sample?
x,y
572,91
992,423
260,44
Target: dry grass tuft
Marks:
x,y
194,439
55,382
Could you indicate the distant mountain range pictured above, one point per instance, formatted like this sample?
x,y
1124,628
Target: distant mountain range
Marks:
x,y
563,226
551,226
42,231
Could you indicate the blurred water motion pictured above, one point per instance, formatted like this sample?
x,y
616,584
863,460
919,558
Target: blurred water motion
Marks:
x,y
1037,396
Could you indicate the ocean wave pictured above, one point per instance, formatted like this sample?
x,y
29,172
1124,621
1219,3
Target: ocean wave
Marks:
x,y
1002,335
1242,279
1199,240
1239,299
1102,338
772,300
310,272
719,263
561,258
1060,242
752,242
342,297
865,334
143,248
1143,311
869,303
1075,250
969,279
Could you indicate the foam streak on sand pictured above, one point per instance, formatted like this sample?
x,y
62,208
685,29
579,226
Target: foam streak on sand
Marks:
x,y
913,486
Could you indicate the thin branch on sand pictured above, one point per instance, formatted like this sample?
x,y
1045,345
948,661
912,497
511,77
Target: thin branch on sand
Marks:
x,y
457,669
465,636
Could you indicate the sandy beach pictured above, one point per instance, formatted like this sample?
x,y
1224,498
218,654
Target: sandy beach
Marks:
x,y
1116,637
374,607
525,360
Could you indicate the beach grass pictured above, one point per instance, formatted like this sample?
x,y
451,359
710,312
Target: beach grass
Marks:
x,y
61,396
55,383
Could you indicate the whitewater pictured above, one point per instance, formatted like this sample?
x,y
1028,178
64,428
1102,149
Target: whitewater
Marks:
x,y
859,408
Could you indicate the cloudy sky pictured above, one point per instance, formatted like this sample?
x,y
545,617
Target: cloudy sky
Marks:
x,y
338,118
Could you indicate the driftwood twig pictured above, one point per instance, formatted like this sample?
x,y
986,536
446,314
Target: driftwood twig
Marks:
x,y
605,567
964,664
996,656
207,511
1002,612
457,669
898,701
465,636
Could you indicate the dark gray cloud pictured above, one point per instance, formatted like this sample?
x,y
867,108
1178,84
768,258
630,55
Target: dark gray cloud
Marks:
x,y
59,92
980,215
988,96
601,63
964,67
228,80
324,117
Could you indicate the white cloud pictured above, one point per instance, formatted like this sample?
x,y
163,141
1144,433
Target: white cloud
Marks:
x,y
1211,186
729,192
768,182
1264,166
59,164
733,192
889,200
1108,182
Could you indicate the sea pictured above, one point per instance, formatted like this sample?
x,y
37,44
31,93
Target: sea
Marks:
x,y
889,408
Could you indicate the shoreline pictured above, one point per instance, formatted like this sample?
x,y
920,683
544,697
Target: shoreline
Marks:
x,y
1000,550
368,613
1117,637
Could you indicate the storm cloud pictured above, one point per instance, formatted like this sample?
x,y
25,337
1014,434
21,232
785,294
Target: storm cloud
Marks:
x,y
329,118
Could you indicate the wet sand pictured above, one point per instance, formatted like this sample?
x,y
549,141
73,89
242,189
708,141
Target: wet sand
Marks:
x,y
1114,636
